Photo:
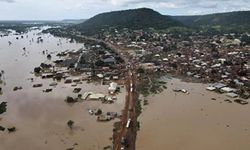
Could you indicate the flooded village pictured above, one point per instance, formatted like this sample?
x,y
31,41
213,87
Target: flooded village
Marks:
x,y
62,90
49,103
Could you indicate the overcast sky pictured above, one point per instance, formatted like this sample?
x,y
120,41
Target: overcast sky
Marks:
x,y
78,9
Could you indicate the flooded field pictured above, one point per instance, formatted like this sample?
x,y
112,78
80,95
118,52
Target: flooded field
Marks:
x,y
41,118
200,120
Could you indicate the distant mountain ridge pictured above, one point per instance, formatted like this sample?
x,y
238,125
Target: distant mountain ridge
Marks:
x,y
144,18
73,21
141,18
222,19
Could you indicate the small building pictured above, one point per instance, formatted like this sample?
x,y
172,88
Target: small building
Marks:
x,y
97,97
68,81
76,80
100,76
165,59
227,89
86,95
110,60
219,85
103,118
210,88
113,87
232,95
115,77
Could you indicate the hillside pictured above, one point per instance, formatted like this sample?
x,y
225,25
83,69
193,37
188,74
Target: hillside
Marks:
x,y
240,18
133,19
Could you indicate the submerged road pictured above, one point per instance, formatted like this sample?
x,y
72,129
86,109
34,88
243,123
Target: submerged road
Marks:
x,y
126,136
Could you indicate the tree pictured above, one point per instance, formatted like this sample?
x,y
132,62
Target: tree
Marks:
x,y
3,107
140,70
70,124
37,70
98,112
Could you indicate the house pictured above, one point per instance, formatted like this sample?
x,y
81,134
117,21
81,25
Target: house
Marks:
x,y
232,95
165,59
100,76
115,77
219,85
109,60
227,89
112,87
211,88
97,97
86,95
103,118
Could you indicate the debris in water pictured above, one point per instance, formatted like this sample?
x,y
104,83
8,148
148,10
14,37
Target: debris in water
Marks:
x,y
17,88
47,90
77,90
228,101
37,85
53,84
49,56
13,129
2,128
71,100
239,101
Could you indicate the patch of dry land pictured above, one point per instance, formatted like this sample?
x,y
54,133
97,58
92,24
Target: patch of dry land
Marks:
x,y
193,121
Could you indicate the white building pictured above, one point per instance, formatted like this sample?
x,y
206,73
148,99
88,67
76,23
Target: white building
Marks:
x,y
112,87
97,97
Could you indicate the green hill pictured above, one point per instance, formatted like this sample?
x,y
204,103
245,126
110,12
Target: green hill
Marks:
x,y
221,19
133,19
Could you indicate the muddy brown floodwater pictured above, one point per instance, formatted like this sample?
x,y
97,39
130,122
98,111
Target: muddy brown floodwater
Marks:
x,y
41,118
178,121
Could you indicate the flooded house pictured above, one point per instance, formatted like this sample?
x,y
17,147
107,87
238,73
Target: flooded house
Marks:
x,y
97,97
113,87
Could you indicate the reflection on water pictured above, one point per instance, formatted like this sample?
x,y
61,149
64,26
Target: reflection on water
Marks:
x,y
40,118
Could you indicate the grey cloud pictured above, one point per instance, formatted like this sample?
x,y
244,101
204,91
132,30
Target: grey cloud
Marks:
x,y
180,3
8,1
190,7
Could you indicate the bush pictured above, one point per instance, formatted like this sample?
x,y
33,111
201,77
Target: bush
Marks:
x,y
37,70
70,124
3,108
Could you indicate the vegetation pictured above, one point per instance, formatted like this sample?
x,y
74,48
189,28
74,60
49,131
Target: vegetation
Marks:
x,y
150,20
138,107
231,22
222,19
13,129
19,28
98,112
2,128
3,107
71,99
70,124
142,18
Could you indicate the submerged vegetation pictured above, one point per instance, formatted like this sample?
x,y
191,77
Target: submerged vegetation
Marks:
x,y
3,107
70,124
150,82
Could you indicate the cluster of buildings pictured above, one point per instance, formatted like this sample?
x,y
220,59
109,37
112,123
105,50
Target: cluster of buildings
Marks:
x,y
210,59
